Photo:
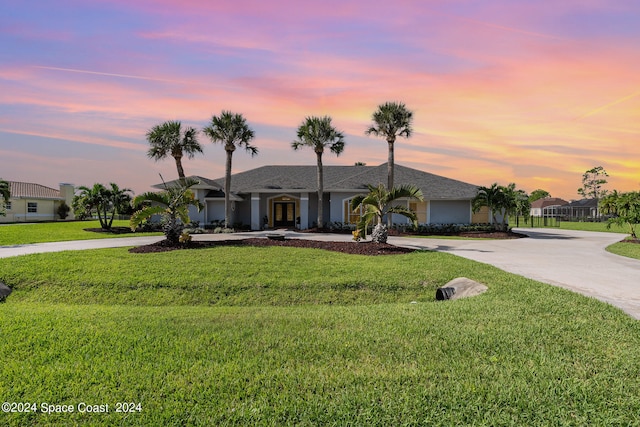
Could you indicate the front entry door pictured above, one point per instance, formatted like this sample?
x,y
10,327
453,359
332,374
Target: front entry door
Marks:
x,y
284,214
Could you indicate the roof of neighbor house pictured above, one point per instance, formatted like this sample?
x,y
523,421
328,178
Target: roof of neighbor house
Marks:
x,y
28,190
582,203
548,201
341,178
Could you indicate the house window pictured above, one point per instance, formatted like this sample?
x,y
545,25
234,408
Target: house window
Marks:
x,y
420,209
32,207
8,206
351,217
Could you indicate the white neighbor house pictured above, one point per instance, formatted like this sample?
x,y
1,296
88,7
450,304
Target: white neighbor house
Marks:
x,y
34,202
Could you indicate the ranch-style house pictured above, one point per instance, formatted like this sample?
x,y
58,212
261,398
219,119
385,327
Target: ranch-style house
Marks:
x,y
286,196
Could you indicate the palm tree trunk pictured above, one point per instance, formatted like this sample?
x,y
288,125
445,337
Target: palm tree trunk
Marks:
x,y
180,169
320,190
227,189
390,167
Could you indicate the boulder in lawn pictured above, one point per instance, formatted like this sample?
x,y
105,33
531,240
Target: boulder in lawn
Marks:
x,y
460,287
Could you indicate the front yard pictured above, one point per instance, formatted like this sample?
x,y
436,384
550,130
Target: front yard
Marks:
x,y
290,336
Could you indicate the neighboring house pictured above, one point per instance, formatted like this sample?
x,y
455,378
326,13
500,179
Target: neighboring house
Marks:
x,y
34,202
580,209
286,196
547,207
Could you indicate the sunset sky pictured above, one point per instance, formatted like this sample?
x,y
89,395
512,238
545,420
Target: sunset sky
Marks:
x,y
527,91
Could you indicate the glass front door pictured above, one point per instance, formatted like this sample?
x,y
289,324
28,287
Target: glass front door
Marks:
x,y
284,214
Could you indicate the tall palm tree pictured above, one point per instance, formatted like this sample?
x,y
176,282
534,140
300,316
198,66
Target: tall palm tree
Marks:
x,y
232,131
390,120
378,203
318,134
172,203
168,139
5,193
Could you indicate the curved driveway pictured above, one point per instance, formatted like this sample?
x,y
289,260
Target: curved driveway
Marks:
x,y
575,260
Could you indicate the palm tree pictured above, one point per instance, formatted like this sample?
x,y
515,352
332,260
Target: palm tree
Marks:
x,y
318,134
168,139
516,204
172,203
503,200
491,197
5,193
120,200
233,131
390,120
106,201
378,202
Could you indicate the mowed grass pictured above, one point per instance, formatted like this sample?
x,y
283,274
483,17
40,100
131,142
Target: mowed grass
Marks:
x,y
630,250
580,226
21,234
287,336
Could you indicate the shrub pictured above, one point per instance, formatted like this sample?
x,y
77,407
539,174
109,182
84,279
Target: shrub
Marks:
x,y
63,210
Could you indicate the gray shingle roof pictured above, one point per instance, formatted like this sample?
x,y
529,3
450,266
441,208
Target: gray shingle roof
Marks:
x,y
28,190
347,178
204,183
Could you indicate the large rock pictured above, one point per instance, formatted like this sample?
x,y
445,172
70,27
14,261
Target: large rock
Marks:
x,y
460,287
4,291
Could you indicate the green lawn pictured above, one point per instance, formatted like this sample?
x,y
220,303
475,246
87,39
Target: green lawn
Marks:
x,y
21,234
625,249
583,226
286,336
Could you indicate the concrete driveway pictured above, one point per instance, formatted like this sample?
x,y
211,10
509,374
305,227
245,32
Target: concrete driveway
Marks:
x,y
575,260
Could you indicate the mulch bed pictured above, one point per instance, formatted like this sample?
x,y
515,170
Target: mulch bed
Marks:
x,y
630,241
113,230
362,248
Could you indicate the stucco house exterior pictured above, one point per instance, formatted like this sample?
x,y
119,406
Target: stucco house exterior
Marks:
x,y
286,196
31,202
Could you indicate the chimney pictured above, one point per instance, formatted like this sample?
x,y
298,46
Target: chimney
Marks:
x,y
67,191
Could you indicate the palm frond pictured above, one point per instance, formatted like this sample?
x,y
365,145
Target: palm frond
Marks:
x,y
140,216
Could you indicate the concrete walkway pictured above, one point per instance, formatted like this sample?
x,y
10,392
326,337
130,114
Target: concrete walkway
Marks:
x,y
575,260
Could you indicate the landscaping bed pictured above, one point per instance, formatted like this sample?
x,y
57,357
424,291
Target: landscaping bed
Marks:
x,y
361,248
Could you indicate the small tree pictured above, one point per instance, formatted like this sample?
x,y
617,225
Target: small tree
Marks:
x,y
592,182
378,203
63,210
538,194
172,204
624,208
